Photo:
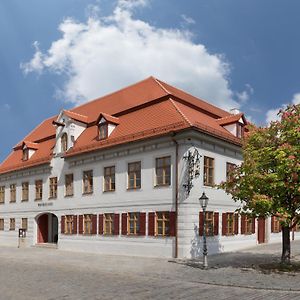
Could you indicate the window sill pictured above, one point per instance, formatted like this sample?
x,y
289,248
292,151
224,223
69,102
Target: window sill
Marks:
x,y
52,198
38,199
133,189
24,200
69,196
109,191
87,193
162,186
2,203
12,201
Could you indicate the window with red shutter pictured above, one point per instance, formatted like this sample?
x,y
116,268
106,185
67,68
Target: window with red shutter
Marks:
x,y
80,224
94,224
116,224
243,224
100,225
142,223
236,225
201,223
75,224
124,223
253,225
172,223
216,223
224,223
62,224
151,224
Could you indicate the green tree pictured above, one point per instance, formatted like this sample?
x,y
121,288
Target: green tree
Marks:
x,y
267,182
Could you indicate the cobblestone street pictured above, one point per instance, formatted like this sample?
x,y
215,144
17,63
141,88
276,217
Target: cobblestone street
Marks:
x,y
38,273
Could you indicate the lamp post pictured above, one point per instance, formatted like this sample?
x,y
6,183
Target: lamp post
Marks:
x,y
203,202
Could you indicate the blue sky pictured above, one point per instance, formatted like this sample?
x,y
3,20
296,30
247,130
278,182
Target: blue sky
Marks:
x,y
55,54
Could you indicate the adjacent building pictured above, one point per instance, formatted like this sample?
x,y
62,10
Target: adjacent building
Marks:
x,y
123,174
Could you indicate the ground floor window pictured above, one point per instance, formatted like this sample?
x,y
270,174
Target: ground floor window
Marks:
x,y
1,224
247,224
275,224
230,223
87,224
69,224
24,223
133,223
12,224
162,223
211,223
108,224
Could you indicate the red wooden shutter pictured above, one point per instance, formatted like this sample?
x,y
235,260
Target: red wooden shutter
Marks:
x,y
236,225
172,223
243,224
100,226
94,224
74,229
62,224
151,224
142,223
224,223
124,224
253,225
272,223
80,225
200,223
116,224
216,223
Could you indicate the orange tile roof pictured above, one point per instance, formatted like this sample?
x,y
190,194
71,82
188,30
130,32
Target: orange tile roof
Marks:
x,y
231,119
147,109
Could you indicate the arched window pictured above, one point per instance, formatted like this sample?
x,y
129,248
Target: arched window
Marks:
x,y
64,142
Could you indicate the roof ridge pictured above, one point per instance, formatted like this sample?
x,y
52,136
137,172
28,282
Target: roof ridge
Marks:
x,y
75,113
180,112
161,85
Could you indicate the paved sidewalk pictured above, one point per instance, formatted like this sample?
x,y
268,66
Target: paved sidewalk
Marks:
x,y
35,273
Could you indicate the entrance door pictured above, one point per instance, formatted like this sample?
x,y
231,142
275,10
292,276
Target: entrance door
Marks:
x,y
43,229
261,235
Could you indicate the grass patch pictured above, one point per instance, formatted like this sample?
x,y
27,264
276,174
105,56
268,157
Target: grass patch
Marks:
x,y
277,267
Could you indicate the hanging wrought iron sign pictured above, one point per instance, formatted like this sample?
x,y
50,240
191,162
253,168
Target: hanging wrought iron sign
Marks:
x,y
193,168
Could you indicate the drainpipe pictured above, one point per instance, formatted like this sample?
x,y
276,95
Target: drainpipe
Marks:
x,y
176,194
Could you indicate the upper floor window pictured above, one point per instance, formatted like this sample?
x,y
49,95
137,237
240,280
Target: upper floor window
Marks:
x,y
25,191
12,224
229,168
163,171
53,187
2,194
69,185
103,131
13,192
25,154
208,176
38,189
64,142
134,175
88,182
109,179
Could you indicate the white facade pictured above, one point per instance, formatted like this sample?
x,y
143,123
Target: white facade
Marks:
x,y
148,198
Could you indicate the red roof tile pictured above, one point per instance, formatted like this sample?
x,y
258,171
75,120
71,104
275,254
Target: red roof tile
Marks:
x,y
144,110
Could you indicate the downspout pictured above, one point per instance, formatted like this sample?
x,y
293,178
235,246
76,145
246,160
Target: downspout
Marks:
x,y
176,194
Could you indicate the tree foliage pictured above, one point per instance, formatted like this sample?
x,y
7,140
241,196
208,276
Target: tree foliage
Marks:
x,y
267,182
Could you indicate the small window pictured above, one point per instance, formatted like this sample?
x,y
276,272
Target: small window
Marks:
x,y
109,179
248,224
13,193
87,224
64,142
2,194
25,191
88,182
229,168
103,131
239,130
208,171
275,224
133,223
108,224
38,189
69,184
69,224
163,171
1,224
134,175
162,223
53,187
25,154
24,224
12,224
209,219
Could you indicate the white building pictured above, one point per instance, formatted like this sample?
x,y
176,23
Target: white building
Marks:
x,y
113,176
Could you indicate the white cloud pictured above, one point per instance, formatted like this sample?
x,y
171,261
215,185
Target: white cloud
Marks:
x,y
272,114
104,54
245,95
188,20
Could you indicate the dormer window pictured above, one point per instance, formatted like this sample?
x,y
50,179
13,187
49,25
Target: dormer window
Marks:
x,y
64,142
239,130
103,130
25,154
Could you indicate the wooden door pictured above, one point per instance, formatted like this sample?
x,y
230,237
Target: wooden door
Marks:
x,y
43,229
261,232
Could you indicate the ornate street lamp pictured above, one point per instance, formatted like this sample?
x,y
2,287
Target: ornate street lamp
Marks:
x,y
203,202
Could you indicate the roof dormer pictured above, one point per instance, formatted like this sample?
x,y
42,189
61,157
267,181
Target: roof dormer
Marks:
x,y
106,125
234,123
69,126
28,149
